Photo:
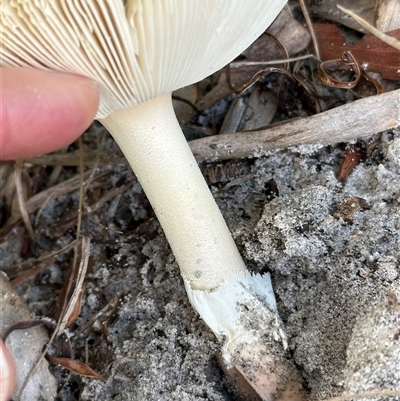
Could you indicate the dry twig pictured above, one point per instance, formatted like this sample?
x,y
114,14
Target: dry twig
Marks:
x,y
358,119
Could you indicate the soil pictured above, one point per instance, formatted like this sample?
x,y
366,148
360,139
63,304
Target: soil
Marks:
x,y
330,245
332,249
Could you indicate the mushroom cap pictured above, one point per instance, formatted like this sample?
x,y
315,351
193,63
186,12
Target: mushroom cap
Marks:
x,y
135,49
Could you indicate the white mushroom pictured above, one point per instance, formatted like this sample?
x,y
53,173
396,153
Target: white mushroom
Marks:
x,y
138,53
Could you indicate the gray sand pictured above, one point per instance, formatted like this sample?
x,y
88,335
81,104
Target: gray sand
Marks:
x,y
332,250
336,283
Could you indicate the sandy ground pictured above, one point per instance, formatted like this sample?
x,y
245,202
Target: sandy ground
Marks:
x,y
333,252
334,262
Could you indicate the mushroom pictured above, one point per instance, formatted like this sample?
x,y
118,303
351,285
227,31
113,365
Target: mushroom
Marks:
x,y
139,51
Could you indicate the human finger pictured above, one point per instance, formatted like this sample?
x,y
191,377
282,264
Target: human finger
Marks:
x,y
42,111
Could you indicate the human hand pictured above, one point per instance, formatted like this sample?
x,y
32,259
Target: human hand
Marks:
x,y
7,373
39,112
42,111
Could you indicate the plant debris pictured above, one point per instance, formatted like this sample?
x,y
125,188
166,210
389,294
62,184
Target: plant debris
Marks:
x,y
320,214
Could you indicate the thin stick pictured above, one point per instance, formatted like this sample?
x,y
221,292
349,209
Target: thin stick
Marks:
x,y
358,119
310,27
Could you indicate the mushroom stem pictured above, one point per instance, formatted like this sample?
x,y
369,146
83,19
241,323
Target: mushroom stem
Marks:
x,y
152,141
239,307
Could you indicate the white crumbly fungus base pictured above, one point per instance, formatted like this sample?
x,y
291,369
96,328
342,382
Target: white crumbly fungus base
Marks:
x,y
241,311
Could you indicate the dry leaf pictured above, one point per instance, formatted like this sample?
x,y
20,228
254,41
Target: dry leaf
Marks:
x,y
351,159
371,53
75,366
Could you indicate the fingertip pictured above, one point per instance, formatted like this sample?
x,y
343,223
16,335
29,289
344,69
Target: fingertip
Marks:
x,y
43,111
83,101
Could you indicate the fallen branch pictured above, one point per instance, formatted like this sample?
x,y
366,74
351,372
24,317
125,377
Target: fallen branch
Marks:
x,y
361,118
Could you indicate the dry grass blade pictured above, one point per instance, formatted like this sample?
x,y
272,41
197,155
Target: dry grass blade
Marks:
x,y
310,27
37,201
68,311
6,184
91,209
239,64
110,195
376,32
358,119
21,198
69,305
74,300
